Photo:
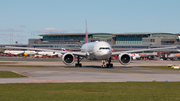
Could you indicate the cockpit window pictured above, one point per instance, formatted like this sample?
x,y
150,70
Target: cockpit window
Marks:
x,y
104,48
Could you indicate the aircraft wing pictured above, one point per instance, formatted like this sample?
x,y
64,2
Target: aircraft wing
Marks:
x,y
58,51
141,50
83,54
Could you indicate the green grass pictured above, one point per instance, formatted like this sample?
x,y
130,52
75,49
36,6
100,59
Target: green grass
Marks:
x,y
21,66
8,74
160,67
125,91
7,62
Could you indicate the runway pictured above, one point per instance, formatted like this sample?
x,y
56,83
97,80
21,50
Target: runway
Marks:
x,y
56,72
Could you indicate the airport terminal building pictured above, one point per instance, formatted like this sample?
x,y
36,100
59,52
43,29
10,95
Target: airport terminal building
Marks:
x,y
113,39
121,41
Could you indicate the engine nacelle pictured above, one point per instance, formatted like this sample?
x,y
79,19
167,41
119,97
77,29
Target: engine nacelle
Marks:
x,y
68,58
124,58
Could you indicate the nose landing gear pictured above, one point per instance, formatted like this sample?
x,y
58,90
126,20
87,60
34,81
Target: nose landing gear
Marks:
x,y
109,64
103,64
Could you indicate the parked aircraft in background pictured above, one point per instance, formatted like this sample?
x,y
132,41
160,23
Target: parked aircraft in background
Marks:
x,y
17,53
135,56
13,52
173,56
26,53
47,53
139,55
34,52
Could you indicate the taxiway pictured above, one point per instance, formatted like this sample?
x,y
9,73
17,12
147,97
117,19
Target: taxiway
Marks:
x,y
56,71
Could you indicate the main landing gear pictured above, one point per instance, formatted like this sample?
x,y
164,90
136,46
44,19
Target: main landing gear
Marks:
x,y
109,64
78,64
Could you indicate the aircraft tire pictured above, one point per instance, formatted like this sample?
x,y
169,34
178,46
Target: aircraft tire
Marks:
x,y
111,65
78,65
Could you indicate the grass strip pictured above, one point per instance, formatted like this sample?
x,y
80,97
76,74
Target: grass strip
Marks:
x,y
7,62
21,66
160,67
117,91
9,74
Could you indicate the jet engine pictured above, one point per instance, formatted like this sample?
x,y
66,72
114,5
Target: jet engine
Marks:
x,y
124,58
68,58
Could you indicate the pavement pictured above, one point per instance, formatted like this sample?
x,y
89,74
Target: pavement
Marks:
x,y
56,72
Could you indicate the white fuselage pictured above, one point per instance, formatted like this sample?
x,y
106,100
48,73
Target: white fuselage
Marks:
x,y
50,53
135,56
13,52
30,52
97,50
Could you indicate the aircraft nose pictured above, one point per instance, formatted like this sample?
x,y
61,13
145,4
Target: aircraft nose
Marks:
x,y
105,54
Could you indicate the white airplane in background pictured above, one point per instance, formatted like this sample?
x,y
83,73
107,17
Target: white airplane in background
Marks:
x,y
173,55
52,53
139,55
48,53
13,52
135,56
26,53
31,52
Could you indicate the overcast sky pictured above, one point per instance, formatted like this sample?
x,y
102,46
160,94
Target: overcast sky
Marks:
x,y
24,19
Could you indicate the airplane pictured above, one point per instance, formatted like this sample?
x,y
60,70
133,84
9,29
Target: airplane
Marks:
x,y
139,55
173,56
35,52
26,53
52,53
13,52
135,56
98,50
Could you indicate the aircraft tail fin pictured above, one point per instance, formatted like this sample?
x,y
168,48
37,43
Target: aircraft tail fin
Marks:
x,y
86,33
63,49
35,48
0,48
